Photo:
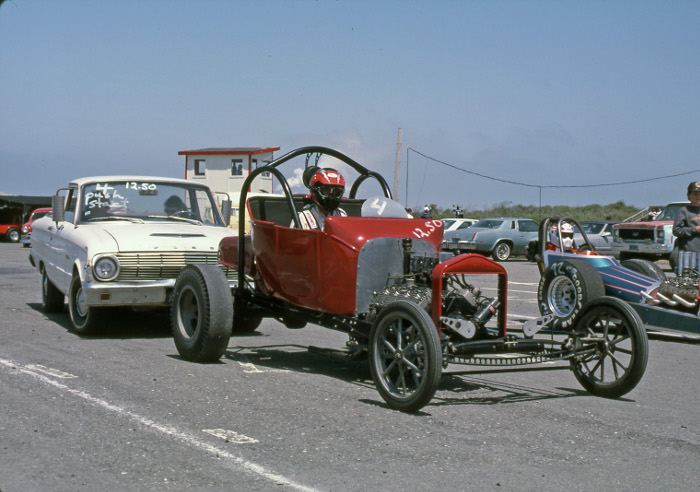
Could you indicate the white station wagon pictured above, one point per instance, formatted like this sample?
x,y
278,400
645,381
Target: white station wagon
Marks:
x,y
122,241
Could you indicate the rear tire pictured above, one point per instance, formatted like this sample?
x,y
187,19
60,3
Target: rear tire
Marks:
x,y
645,267
51,298
502,251
565,287
615,351
201,314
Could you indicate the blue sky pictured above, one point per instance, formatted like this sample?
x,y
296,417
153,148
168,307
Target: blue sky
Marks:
x,y
549,93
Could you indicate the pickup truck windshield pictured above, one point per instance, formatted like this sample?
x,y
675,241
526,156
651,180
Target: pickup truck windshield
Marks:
x,y
148,201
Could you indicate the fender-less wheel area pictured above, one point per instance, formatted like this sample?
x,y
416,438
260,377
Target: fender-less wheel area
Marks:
x,y
85,319
612,347
565,287
51,298
501,252
201,314
405,356
645,267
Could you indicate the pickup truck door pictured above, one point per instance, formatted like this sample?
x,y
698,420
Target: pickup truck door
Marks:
x,y
59,250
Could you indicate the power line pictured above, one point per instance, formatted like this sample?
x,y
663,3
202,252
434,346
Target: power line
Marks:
x,y
529,185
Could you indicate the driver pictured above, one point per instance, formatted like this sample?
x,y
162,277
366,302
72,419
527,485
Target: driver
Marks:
x,y
567,237
173,205
327,187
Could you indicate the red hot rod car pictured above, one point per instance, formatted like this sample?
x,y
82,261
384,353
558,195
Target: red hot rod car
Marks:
x,y
375,275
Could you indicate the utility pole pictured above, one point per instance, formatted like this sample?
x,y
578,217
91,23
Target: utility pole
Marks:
x,y
398,165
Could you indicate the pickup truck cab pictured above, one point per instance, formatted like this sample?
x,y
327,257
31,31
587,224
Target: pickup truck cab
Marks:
x,y
122,241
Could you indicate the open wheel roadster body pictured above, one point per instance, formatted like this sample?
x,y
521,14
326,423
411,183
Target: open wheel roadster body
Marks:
x,y
375,275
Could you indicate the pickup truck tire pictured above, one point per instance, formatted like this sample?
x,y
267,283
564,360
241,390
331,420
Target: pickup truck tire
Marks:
x,y
645,267
565,287
405,356
85,319
613,347
51,298
201,314
502,251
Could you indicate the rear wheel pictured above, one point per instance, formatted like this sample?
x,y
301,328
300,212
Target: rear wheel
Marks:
x,y
612,346
51,297
201,314
85,318
645,267
405,356
565,287
502,251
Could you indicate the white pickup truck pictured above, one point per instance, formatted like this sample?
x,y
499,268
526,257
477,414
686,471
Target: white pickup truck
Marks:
x,y
122,241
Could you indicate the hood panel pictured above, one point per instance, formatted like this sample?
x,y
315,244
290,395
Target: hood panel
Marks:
x,y
165,237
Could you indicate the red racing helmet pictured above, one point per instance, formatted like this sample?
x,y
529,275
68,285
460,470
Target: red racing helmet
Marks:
x,y
327,187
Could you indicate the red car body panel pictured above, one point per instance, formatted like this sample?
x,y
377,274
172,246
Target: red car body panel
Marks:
x,y
317,269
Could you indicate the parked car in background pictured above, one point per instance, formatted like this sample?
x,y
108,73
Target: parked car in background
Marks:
x,y
122,241
499,237
455,224
25,238
599,233
647,239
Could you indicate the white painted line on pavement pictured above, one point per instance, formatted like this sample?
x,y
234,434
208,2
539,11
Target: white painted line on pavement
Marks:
x,y
50,372
231,436
182,436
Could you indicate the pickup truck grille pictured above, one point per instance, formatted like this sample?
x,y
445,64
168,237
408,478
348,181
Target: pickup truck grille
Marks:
x,y
636,234
154,266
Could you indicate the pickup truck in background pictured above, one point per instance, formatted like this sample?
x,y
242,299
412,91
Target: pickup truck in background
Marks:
x,y
644,238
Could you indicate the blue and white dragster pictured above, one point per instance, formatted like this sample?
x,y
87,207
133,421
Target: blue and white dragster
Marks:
x,y
572,277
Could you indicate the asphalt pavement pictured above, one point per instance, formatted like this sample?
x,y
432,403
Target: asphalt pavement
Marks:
x,y
122,411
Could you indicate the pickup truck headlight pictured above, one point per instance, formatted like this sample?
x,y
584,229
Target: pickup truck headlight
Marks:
x,y
106,268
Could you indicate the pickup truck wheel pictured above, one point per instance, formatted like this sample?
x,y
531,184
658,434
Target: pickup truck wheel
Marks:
x,y
13,235
201,314
645,267
501,252
613,347
405,356
84,318
51,298
565,287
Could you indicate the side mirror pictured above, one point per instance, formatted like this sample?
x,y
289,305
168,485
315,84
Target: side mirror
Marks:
x,y
606,234
58,210
226,212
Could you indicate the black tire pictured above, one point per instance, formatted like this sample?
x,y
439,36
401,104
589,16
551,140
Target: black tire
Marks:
x,y
201,315
645,267
502,251
245,322
613,348
405,356
51,298
12,235
565,287
85,319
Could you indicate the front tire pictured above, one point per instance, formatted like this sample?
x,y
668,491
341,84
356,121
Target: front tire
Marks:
x,y
565,287
405,356
51,298
201,315
613,348
13,235
84,318
501,252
